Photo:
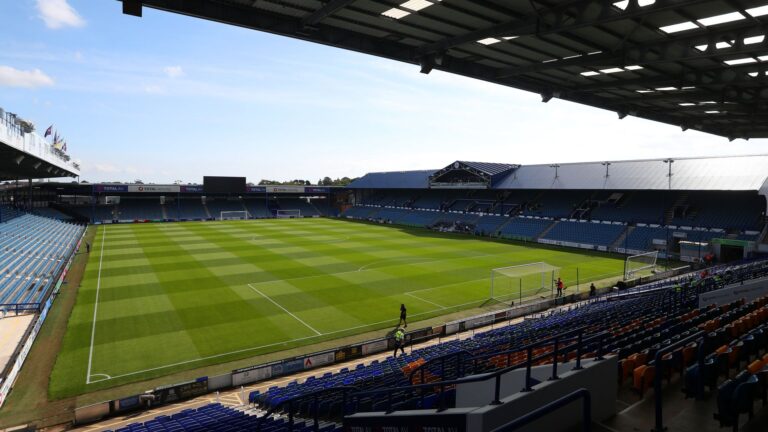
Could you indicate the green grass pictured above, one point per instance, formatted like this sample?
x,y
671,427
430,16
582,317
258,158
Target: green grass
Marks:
x,y
179,296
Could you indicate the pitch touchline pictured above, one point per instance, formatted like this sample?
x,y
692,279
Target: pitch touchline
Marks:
x,y
286,310
95,307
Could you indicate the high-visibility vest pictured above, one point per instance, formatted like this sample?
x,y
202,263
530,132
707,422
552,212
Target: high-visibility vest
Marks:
x,y
399,335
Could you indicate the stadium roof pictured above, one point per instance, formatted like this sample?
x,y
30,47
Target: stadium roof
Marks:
x,y
491,169
695,64
732,173
26,155
394,180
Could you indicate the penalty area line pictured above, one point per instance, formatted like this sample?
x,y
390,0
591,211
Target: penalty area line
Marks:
x,y
306,338
256,348
425,300
286,310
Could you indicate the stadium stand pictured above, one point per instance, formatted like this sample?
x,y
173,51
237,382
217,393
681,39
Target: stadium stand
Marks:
x,y
640,206
488,225
641,237
600,234
555,204
52,213
257,208
215,417
33,250
216,206
7,213
716,211
551,223
97,213
188,209
306,208
523,228
140,209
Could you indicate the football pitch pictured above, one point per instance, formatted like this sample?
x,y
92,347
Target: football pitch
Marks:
x,y
160,298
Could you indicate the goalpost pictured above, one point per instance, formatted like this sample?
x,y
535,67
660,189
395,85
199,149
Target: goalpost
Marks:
x,y
520,281
288,214
233,215
644,264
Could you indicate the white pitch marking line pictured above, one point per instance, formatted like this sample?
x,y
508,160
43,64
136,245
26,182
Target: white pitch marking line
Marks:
x,y
286,310
282,342
95,308
107,378
306,337
425,300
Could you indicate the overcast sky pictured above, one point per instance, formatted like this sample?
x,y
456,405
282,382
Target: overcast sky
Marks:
x,y
167,97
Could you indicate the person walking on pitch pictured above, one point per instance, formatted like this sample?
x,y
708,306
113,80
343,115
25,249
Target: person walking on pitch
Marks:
x,y
403,316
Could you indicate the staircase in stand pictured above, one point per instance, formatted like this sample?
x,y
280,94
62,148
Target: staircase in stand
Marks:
x,y
547,229
669,214
620,241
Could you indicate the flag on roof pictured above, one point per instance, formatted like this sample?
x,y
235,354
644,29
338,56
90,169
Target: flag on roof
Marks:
x,y
48,131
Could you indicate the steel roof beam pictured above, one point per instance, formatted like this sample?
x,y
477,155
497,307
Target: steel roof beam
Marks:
x,y
328,9
671,49
721,76
558,19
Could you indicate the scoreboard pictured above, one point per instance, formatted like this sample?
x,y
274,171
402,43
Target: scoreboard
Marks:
x,y
224,185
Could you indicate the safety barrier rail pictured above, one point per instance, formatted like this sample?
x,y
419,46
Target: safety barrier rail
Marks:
x,y
586,412
496,375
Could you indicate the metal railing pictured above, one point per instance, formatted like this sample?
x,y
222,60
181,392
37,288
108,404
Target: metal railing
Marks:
x,y
659,371
496,375
586,411
315,396
462,365
21,307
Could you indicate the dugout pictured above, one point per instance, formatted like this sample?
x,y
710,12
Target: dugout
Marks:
x,y
727,250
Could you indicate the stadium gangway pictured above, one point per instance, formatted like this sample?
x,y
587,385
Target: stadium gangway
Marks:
x,y
474,359
658,375
586,411
315,396
496,375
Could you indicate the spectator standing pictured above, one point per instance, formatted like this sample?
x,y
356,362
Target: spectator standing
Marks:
x,y
399,341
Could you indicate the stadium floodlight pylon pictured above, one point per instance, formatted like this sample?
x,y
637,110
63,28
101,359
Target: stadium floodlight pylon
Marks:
x,y
520,281
640,263
233,215
288,213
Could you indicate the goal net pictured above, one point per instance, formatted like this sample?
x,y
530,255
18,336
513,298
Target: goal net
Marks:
x,y
515,283
285,214
640,265
234,215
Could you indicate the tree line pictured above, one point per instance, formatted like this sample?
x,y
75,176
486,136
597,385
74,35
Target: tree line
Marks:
x,y
325,181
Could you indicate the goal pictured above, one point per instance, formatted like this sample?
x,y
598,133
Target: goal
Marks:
x,y
640,265
234,215
514,283
287,214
